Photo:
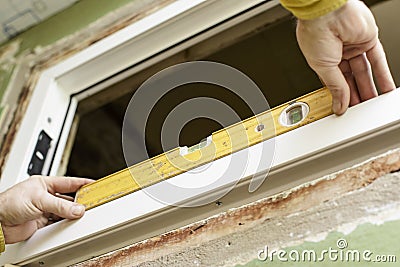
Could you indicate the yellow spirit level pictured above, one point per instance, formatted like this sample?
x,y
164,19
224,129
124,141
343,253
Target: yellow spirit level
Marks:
x,y
266,125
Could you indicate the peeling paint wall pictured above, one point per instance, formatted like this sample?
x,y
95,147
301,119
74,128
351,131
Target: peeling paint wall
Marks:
x,y
369,242
50,31
359,206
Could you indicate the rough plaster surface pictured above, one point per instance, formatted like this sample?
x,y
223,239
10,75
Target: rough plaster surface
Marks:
x,y
366,193
379,240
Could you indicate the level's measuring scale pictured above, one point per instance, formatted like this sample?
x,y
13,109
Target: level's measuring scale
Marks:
x,y
266,125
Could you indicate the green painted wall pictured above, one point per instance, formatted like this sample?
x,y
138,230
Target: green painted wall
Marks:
x,y
56,27
67,22
378,239
5,75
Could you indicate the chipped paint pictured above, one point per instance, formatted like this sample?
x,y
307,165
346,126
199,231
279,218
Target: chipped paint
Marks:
x,y
335,203
8,52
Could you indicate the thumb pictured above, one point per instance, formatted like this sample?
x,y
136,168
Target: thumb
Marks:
x,y
61,207
333,78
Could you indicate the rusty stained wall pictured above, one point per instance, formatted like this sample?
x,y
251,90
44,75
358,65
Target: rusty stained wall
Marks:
x,y
362,197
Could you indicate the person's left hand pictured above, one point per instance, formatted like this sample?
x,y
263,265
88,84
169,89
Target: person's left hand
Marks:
x,y
27,206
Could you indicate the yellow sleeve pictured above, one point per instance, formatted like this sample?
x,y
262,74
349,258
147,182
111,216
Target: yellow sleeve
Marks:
x,y
311,9
2,241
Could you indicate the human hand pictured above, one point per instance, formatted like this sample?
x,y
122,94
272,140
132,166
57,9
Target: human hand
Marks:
x,y
27,206
341,47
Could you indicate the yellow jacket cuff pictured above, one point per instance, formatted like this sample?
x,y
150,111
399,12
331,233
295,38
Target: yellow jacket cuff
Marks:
x,y
312,9
2,241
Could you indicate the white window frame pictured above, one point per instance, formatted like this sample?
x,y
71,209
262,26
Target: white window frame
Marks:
x,y
54,98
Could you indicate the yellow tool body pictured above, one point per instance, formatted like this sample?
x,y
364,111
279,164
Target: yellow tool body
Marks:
x,y
266,125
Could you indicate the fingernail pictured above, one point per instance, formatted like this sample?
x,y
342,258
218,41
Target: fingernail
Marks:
x,y
336,106
77,210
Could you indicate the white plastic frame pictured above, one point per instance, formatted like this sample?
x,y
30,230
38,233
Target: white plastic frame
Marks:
x,y
67,242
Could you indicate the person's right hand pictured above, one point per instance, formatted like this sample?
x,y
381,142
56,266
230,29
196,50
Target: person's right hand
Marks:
x,y
341,47
28,206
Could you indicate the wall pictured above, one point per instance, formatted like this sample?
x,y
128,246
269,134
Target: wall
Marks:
x,y
360,205
50,31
